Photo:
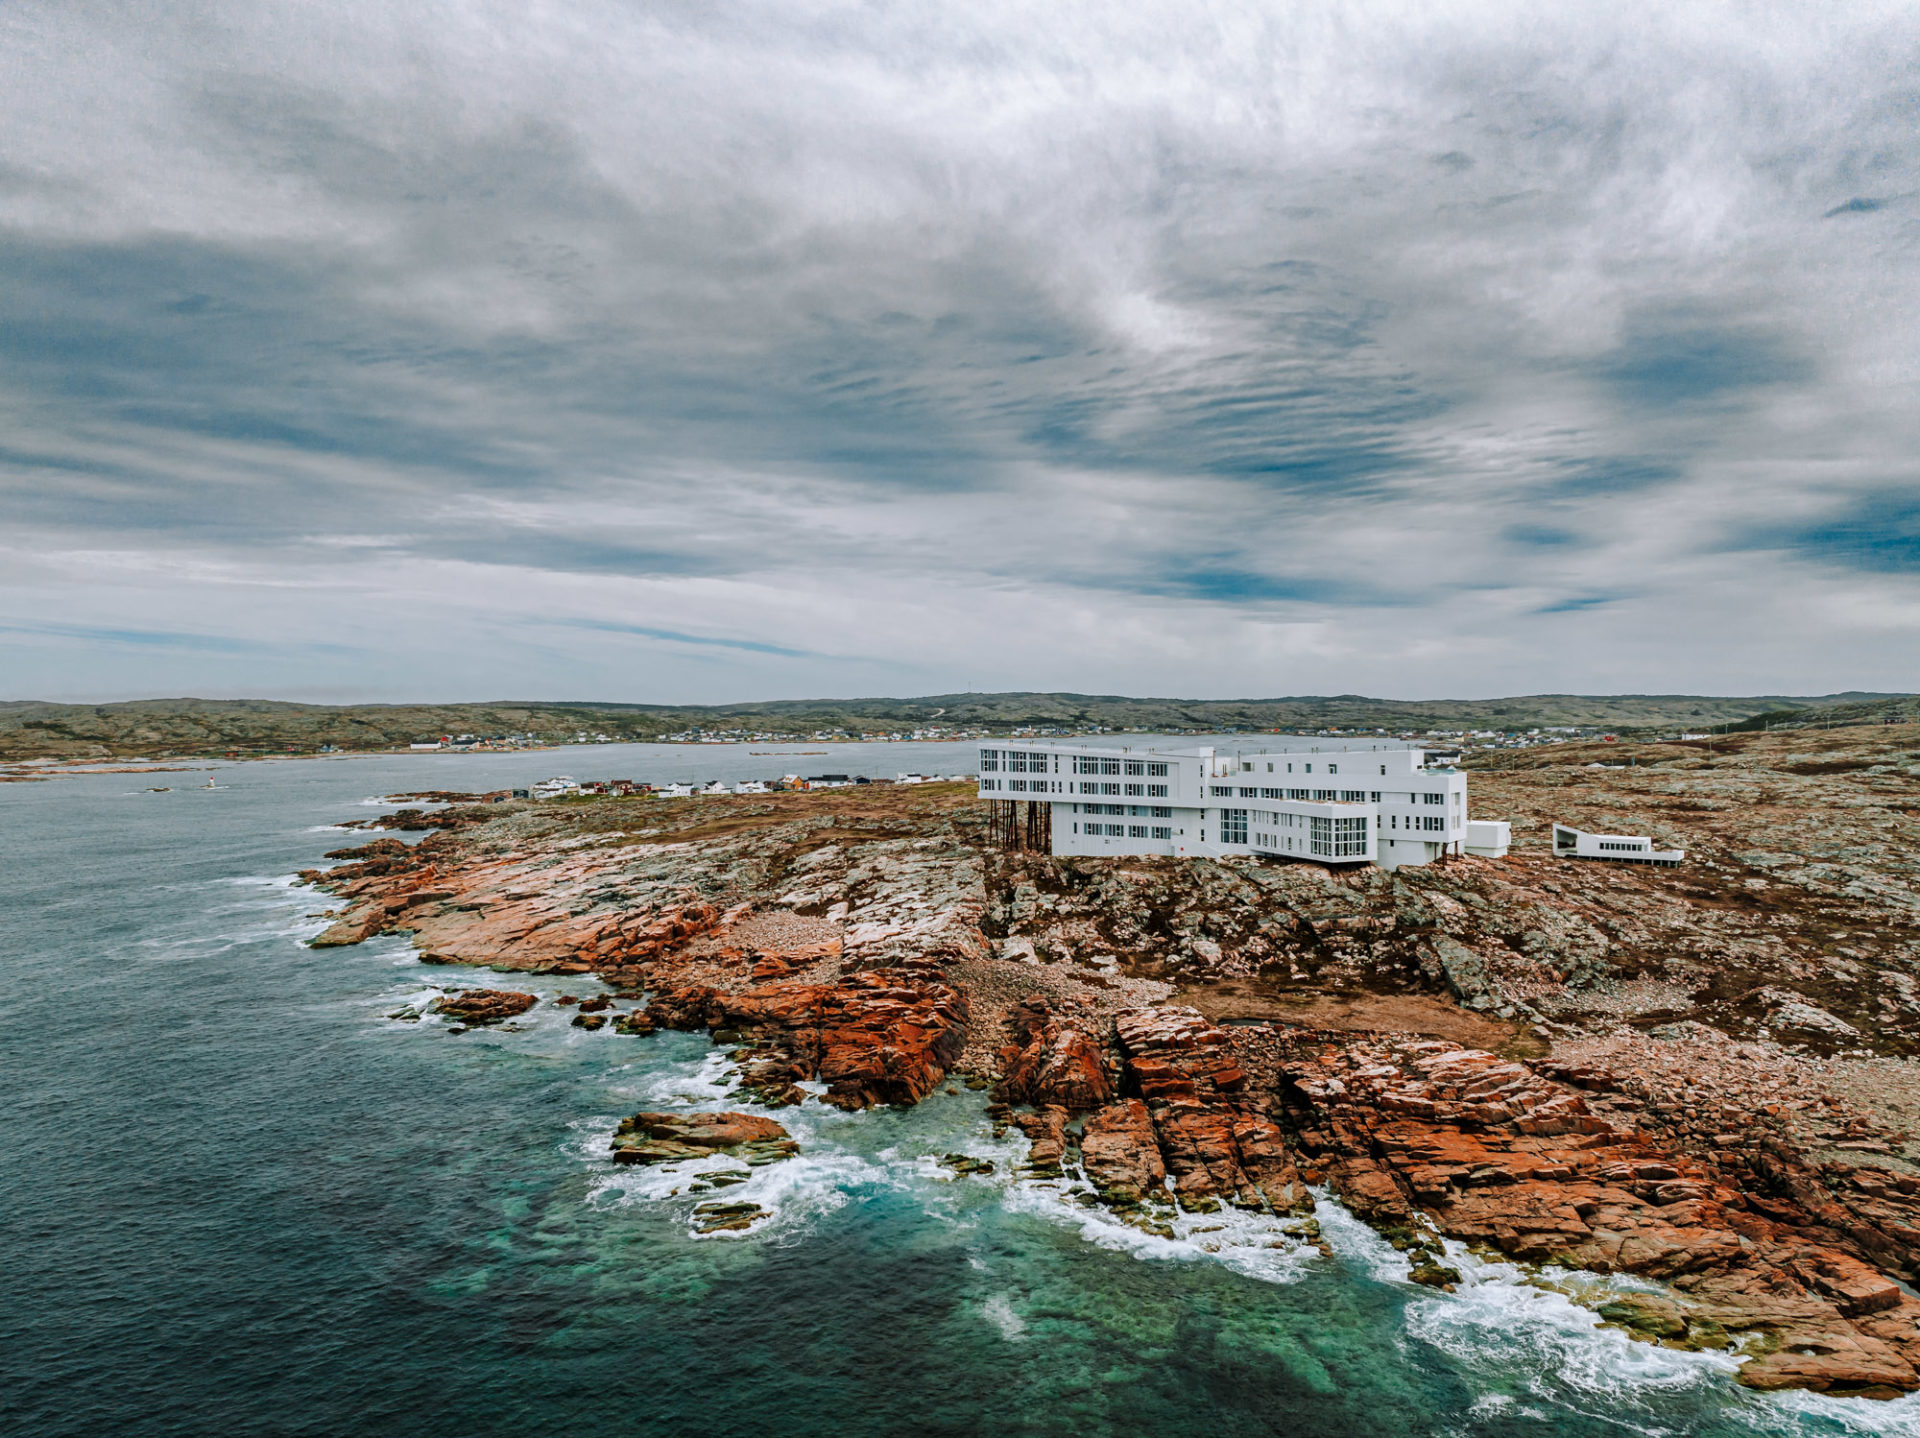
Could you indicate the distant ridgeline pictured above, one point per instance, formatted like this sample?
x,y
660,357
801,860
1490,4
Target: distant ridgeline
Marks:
x,y
244,727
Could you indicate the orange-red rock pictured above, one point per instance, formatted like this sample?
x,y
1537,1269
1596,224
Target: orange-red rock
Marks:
x,y
1052,1060
880,1036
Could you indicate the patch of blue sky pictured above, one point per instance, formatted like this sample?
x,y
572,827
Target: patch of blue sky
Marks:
x,y
676,636
164,639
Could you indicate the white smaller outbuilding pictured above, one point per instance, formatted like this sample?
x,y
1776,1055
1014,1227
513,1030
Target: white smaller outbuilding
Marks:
x,y
1570,843
1489,838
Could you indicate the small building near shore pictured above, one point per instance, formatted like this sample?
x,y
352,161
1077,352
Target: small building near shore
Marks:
x,y
1571,843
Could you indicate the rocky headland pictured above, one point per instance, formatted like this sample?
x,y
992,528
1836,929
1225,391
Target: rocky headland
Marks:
x,y
1702,1076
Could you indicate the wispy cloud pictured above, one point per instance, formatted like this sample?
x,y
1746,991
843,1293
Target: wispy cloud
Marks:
x,y
1351,348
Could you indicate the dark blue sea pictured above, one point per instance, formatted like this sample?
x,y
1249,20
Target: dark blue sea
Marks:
x,y
237,1198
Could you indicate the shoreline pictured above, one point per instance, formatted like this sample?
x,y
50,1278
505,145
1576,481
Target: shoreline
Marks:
x,y
869,945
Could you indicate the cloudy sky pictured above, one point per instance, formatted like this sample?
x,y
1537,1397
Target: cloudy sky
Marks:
x,y
705,351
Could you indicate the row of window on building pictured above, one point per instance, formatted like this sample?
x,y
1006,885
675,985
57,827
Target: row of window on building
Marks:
x,y
1014,761
1128,831
1157,811
1146,768
1312,796
1050,786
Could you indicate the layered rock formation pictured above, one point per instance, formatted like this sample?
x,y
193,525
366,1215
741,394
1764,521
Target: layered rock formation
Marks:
x,y
877,1036
1415,1133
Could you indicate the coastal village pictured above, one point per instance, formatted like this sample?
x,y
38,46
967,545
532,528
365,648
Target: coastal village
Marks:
x,y
1700,1076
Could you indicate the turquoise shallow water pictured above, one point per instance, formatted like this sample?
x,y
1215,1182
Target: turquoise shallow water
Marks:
x,y
236,1198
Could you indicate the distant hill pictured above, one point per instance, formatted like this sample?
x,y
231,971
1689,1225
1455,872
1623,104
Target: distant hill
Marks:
x,y
1842,711
157,727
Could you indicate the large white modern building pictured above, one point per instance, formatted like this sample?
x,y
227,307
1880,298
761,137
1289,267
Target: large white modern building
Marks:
x,y
1323,801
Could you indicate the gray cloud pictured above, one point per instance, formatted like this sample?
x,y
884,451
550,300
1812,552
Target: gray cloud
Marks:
x,y
826,348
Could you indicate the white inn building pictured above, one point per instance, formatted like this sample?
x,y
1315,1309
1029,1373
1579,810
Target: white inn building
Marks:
x,y
1324,802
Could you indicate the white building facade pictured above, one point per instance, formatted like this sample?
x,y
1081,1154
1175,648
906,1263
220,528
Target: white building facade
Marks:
x,y
1318,801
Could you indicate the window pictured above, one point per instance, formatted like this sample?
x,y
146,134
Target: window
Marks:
x,y
1323,796
1249,793
1353,796
1433,823
1136,766
1246,768
1383,768
1221,791
1109,766
1233,826
1322,837
1019,786
1296,793
1435,798
1309,768
1138,790
1156,791
1109,788
1086,788
1136,831
1269,768
989,761
1163,832
1271,794
1157,771
1162,811
1349,838
1333,768
1016,762
1117,831
1376,796
1038,763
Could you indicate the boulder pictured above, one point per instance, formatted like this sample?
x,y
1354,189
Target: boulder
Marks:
x,y
670,1137
475,1007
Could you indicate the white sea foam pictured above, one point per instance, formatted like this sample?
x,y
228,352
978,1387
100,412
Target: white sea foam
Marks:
x,y
1899,1418
998,1311
710,1081
1255,1244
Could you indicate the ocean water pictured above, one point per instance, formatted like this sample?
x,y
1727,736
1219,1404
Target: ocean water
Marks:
x,y
237,1198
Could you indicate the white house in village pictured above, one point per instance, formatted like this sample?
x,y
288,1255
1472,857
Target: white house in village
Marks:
x,y
1331,802
1571,843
